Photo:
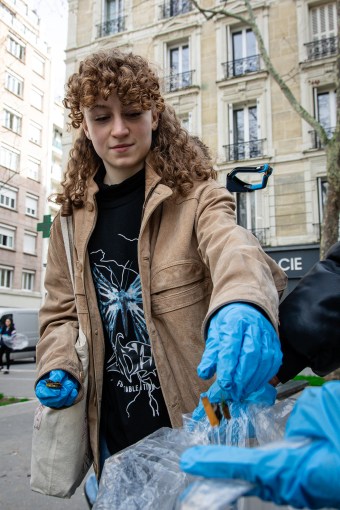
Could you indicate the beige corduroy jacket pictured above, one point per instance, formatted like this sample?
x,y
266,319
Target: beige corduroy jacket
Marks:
x,y
193,259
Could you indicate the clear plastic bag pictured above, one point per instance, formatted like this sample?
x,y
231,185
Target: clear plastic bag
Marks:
x,y
146,476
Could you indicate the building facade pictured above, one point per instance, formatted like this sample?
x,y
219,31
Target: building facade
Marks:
x,y
214,76
24,151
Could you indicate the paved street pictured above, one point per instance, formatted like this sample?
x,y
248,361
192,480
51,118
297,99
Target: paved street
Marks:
x,y
15,445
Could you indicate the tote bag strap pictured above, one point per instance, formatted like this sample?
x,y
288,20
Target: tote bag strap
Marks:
x,y
67,232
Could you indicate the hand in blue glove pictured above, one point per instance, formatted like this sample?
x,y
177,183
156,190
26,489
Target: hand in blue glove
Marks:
x,y
302,471
57,397
242,348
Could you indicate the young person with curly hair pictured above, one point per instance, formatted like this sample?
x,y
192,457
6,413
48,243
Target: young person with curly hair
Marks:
x,y
165,280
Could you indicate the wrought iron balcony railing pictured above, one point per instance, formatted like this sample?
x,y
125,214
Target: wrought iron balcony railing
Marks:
x,y
241,66
244,150
110,27
172,8
316,142
321,48
178,81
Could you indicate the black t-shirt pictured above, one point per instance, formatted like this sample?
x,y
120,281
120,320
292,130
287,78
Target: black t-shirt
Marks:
x,y
133,404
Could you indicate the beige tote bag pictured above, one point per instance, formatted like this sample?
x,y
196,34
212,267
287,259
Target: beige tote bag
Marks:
x,y
61,453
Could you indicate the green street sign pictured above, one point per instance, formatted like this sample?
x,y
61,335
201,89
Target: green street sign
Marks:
x,y
45,225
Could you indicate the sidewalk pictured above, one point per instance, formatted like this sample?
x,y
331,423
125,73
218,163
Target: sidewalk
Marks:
x,y
16,423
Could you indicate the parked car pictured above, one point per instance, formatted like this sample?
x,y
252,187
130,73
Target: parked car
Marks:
x,y
26,324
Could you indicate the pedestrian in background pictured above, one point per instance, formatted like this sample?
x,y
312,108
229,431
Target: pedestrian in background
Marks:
x,y
165,280
7,333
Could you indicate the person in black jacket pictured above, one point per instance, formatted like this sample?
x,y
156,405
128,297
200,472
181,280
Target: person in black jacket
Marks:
x,y
309,320
7,334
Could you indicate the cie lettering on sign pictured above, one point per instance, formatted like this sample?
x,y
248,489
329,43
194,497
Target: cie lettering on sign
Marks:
x,y
291,264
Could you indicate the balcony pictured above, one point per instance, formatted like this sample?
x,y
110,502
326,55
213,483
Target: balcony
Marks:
x,y
241,66
316,142
322,48
172,8
244,150
179,81
111,27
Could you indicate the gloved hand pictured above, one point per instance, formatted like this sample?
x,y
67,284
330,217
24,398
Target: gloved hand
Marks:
x,y
57,397
242,348
302,471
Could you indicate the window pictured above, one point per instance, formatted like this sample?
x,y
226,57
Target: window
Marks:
x,y
326,109
27,281
179,63
114,18
7,237
33,169
57,138
323,23
244,53
35,132
37,98
16,48
8,197
38,64
245,134
6,277
9,158
249,215
325,113
30,243
14,83
246,210
174,7
31,205
12,120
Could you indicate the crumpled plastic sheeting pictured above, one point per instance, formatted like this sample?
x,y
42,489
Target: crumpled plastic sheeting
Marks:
x,y
212,493
146,475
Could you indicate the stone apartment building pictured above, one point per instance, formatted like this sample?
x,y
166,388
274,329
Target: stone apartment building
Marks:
x,y
25,153
215,78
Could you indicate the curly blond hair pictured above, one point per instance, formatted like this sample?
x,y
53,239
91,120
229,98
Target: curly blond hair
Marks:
x,y
177,157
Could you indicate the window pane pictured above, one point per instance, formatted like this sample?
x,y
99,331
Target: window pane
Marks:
x,y
174,60
237,45
6,277
253,123
8,198
185,59
37,99
323,109
33,169
251,43
6,237
238,126
9,159
28,280
31,206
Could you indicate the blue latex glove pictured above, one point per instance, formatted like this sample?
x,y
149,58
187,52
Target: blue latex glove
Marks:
x,y
303,476
54,397
242,348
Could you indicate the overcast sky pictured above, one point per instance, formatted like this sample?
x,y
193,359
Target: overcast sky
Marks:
x,y
53,16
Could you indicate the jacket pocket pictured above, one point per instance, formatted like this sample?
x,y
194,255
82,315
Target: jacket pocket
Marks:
x,y
178,285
